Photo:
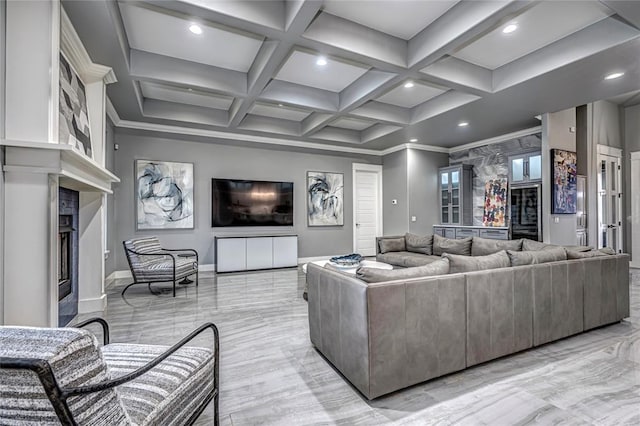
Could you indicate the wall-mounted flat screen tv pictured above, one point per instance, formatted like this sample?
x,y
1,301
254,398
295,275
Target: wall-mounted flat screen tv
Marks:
x,y
251,203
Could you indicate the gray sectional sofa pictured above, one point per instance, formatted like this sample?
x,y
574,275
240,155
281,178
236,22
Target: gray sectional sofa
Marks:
x,y
385,336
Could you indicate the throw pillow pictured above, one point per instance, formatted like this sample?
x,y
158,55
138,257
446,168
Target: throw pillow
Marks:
x,y
392,244
419,244
374,275
458,263
571,254
485,246
443,245
520,258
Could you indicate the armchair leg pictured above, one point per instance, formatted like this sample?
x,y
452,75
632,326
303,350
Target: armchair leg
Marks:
x,y
174,287
197,274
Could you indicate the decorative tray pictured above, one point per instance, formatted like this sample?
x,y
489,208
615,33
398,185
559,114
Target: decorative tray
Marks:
x,y
348,260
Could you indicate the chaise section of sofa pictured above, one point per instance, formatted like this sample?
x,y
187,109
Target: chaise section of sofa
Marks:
x,y
389,335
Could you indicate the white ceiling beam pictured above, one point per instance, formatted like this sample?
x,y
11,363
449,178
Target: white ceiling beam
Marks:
x,y
185,113
304,96
347,35
259,123
595,38
459,25
441,104
273,53
459,72
362,87
314,122
338,135
379,111
628,10
151,67
377,131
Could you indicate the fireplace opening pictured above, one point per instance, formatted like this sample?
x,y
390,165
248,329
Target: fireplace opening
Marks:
x,y
64,256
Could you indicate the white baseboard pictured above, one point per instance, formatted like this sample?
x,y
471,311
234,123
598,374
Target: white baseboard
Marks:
x,y
97,304
635,265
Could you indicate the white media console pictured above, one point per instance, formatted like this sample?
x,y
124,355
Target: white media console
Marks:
x,y
246,253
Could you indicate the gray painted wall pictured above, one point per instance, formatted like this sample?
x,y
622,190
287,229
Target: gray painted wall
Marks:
x,y
226,161
490,162
423,189
395,174
110,164
606,124
631,126
556,134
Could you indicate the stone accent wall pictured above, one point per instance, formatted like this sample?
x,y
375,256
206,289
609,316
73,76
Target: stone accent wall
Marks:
x,y
490,162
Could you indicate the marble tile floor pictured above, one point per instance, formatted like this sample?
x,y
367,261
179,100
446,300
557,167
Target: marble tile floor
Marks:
x,y
270,374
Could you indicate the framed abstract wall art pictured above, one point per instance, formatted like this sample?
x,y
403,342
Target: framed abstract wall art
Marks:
x,y
325,199
164,195
564,188
73,127
495,202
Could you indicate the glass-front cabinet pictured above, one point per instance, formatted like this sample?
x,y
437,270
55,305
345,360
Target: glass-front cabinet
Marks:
x,y
454,187
525,168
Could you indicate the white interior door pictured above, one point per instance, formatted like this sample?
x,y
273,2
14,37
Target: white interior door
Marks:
x,y
610,200
367,208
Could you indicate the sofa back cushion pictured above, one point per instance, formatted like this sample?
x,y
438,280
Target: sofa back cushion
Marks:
x,y
459,263
572,254
387,244
520,258
375,275
485,246
443,245
418,244
531,245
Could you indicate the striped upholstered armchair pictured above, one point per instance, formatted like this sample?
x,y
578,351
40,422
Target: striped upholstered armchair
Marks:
x,y
150,263
61,376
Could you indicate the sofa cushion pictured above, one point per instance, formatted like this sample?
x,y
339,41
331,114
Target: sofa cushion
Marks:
x,y
392,244
520,258
418,244
169,393
406,259
163,269
452,246
375,275
571,254
485,246
531,245
459,263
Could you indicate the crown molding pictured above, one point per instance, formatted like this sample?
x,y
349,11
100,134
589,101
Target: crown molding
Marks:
x,y
497,139
74,50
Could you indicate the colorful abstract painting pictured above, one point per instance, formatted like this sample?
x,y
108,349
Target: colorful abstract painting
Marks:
x,y
565,185
164,195
325,199
495,202
74,116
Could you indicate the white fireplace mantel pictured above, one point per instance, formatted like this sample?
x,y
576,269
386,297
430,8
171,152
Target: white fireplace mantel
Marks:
x,y
75,170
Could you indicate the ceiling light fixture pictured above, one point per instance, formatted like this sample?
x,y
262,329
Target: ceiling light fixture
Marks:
x,y
196,29
614,75
280,105
413,140
322,61
408,85
509,28
463,124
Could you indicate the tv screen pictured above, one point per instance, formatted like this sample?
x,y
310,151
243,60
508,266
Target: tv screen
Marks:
x,y
251,203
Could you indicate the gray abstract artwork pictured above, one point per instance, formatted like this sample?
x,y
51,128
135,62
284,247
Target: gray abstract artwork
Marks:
x,y
325,199
74,117
164,195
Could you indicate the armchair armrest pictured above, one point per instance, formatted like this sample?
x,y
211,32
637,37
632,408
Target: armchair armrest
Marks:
x,y
102,322
69,392
195,253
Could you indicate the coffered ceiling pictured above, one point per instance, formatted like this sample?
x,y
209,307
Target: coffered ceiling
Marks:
x,y
368,74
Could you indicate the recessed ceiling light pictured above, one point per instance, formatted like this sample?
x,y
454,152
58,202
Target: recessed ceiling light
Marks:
x,y
280,105
413,140
321,61
509,28
190,89
463,124
409,85
196,29
614,75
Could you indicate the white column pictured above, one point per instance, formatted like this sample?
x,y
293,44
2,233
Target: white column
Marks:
x,y
30,275
91,259
634,198
32,80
